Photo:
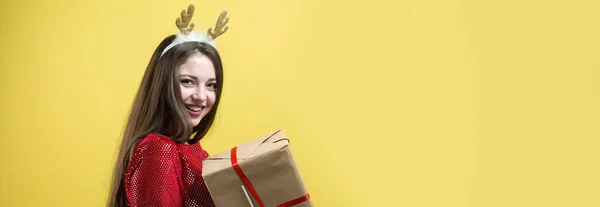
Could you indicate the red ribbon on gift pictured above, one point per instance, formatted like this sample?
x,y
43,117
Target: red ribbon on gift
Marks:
x,y
295,201
246,181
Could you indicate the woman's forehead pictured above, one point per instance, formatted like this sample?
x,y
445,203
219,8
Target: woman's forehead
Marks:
x,y
197,65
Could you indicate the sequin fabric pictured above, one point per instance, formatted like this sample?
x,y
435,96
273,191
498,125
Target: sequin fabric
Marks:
x,y
164,173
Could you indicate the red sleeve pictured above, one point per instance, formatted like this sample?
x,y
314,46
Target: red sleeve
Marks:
x,y
154,172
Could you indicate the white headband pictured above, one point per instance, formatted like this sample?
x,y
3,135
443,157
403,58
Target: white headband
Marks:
x,y
191,37
187,35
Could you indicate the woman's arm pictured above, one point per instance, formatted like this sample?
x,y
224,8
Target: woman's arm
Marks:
x,y
154,174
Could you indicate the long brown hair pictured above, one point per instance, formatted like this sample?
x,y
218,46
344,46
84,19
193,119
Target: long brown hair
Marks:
x,y
158,107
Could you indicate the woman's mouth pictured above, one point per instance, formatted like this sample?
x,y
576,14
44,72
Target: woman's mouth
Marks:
x,y
194,110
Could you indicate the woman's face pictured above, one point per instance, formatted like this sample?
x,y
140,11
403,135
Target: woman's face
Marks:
x,y
198,86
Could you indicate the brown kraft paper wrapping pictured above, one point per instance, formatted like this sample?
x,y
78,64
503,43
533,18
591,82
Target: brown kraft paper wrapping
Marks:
x,y
269,165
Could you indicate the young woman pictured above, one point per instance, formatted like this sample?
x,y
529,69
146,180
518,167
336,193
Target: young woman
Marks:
x,y
160,158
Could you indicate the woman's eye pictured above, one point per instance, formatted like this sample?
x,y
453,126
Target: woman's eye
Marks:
x,y
187,82
212,85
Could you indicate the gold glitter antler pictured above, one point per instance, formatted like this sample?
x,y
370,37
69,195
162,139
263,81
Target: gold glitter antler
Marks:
x,y
220,27
183,23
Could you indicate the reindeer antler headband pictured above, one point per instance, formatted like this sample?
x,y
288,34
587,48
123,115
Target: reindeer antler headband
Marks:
x,y
186,33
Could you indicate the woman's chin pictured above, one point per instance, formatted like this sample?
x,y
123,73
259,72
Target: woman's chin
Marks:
x,y
195,122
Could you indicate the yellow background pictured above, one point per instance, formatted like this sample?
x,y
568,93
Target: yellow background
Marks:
x,y
388,103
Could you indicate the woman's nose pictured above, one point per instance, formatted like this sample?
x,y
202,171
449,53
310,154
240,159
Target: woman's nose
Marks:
x,y
199,96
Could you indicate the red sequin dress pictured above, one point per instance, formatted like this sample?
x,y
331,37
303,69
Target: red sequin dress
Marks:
x,y
164,173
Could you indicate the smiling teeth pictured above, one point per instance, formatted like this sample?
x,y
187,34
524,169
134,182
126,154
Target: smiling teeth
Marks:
x,y
194,108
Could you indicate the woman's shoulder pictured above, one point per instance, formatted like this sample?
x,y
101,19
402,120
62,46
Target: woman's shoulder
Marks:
x,y
153,154
156,143
157,138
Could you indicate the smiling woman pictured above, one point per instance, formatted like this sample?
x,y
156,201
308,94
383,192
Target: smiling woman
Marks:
x,y
198,86
158,163
428,103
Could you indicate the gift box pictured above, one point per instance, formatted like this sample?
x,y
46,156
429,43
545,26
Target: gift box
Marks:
x,y
260,173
